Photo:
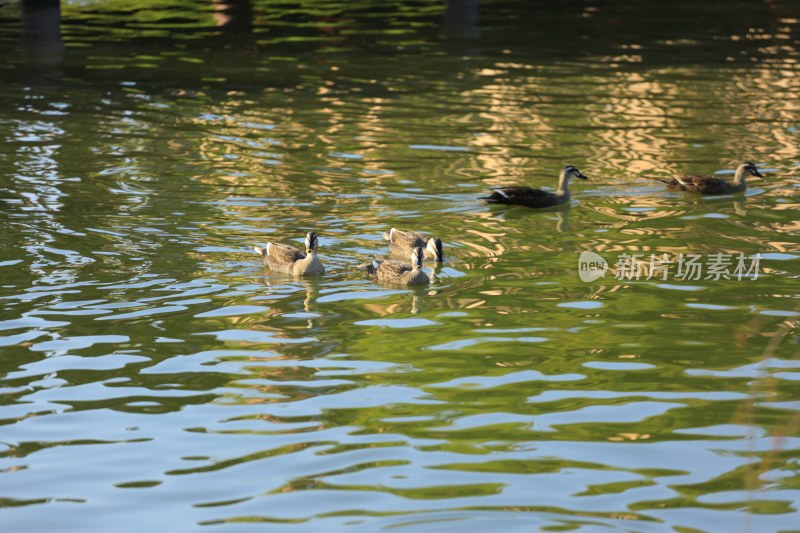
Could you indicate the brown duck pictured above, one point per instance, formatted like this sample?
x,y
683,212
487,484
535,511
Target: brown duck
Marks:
x,y
403,242
397,273
536,198
290,260
712,184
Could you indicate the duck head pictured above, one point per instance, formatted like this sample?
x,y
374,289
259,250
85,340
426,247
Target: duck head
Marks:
x,y
311,242
416,258
570,171
747,168
435,248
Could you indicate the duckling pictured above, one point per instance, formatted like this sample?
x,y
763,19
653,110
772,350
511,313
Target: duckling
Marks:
x,y
530,197
397,273
290,260
402,242
713,184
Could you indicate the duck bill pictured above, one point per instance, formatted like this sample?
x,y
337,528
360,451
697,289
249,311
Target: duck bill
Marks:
x,y
581,176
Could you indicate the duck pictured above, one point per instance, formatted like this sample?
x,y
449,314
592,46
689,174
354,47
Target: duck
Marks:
x,y
289,260
397,273
403,242
536,198
705,184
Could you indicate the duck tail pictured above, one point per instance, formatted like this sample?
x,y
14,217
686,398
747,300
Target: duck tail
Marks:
x,y
369,268
387,235
494,198
260,250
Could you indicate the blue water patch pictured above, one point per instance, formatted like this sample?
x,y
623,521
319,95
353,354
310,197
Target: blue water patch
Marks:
x,y
400,323
710,307
609,365
234,310
777,256
465,343
438,148
345,155
778,312
673,287
584,304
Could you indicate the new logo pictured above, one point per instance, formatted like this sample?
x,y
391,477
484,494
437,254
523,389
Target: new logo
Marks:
x,y
591,266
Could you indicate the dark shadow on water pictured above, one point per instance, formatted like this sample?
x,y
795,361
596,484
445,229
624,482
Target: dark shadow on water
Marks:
x,y
233,15
42,46
460,28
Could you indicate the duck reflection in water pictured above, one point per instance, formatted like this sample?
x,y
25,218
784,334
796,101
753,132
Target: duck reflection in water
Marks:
x,y
559,215
312,287
286,301
720,205
400,307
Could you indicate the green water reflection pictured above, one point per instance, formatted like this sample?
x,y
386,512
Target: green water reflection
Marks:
x,y
149,363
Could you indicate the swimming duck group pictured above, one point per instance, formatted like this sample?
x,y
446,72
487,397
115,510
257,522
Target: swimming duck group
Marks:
x,y
415,246
407,244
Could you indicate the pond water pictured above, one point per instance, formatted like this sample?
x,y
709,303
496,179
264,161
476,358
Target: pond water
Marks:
x,y
154,375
